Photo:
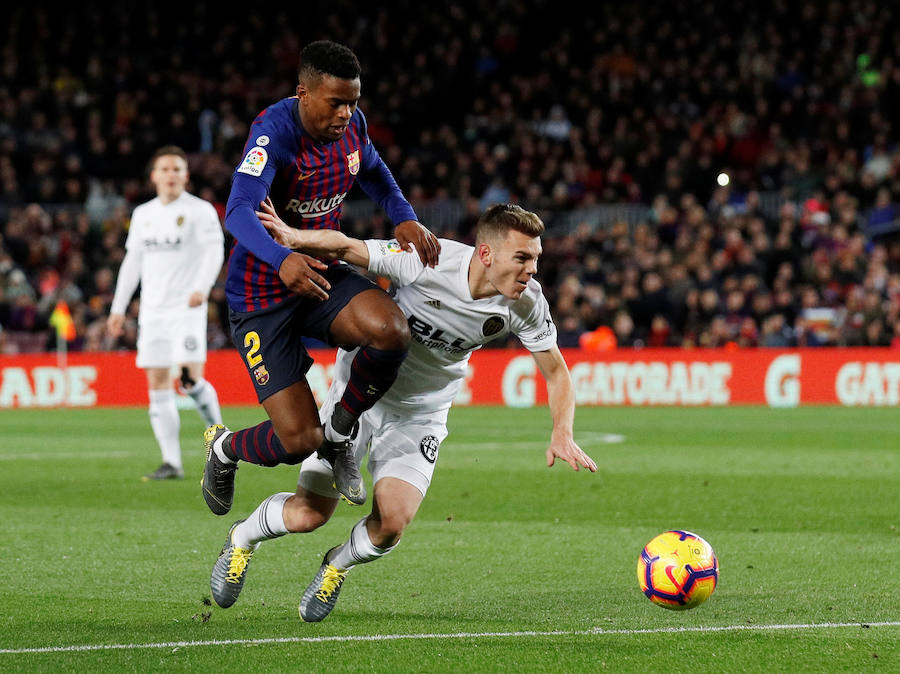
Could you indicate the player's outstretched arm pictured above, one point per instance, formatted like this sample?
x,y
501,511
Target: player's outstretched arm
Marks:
x,y
561,395
327,243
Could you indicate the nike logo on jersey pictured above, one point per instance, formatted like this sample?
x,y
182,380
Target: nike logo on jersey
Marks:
x,y
304,176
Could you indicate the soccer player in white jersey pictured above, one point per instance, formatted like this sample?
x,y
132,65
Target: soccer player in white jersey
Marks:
x,y
473,296
175,250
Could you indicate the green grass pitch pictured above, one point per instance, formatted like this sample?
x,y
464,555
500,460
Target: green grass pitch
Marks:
x,y
509,566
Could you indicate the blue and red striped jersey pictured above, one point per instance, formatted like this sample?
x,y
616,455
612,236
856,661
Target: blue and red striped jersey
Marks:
x,y
308,182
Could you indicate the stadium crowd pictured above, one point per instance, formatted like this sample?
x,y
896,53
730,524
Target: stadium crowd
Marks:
x,y
478,102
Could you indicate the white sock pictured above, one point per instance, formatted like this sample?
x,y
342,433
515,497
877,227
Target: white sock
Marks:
x,y
207,401
166,424
220,452
331,434
358,550
266,522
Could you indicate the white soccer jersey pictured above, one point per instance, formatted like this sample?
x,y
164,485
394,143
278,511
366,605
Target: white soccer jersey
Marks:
x,y
447,325
173,250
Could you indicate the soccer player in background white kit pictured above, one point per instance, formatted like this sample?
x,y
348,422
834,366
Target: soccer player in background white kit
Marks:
x,y
175,248
473,296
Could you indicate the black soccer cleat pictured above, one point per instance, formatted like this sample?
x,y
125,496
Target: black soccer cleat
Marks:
x,y
217,483
165,472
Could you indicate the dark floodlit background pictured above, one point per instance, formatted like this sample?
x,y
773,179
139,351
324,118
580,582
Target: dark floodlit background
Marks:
x,y
710,173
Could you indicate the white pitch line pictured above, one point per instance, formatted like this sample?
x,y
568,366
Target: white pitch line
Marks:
x,y
596,631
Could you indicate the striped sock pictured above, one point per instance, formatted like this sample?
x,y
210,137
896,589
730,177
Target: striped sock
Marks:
x,y
358,550
259,444
371,375
266,522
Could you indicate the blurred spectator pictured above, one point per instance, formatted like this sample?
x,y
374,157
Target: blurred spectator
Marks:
x,y
775,332
614,127
623,326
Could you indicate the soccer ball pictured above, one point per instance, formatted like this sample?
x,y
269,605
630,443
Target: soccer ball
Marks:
x,y
677,570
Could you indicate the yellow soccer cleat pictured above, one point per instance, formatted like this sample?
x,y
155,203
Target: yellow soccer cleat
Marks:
x,y
229,571
321,595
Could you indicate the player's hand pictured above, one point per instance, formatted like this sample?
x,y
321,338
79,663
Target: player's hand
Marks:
x,y
567,450
427,245
196,299
298,273
286,236
114,325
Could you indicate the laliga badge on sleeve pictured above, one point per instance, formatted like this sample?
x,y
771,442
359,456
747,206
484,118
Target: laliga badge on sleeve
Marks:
x,y
254,162
388,247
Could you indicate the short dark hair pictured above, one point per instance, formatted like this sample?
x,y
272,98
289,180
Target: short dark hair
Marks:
x,y
325,57
497,220
165,151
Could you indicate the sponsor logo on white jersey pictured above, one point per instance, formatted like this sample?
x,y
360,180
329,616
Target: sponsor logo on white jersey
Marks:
x,y
165,243
548,331
433,337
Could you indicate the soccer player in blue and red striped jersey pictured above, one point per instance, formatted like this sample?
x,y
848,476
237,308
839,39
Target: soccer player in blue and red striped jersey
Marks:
x,y
303,154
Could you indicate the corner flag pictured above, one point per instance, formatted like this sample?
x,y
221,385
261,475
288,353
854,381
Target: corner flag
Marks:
x,y
61,319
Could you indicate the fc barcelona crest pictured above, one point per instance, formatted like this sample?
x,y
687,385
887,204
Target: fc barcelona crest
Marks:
x,y
353,162
262,375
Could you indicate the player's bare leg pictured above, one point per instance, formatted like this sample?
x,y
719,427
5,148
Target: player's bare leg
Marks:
x,y
290,434
395,504
374,323
165,422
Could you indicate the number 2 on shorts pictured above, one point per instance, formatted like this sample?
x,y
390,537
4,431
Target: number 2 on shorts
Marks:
x,y
251,340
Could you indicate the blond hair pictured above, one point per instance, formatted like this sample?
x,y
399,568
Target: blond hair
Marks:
x,y
496,222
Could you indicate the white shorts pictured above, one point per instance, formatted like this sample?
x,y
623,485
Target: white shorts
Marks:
x,y
402,447
174,338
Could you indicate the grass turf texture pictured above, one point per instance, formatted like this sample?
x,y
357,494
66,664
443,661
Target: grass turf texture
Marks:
x,y
801,506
